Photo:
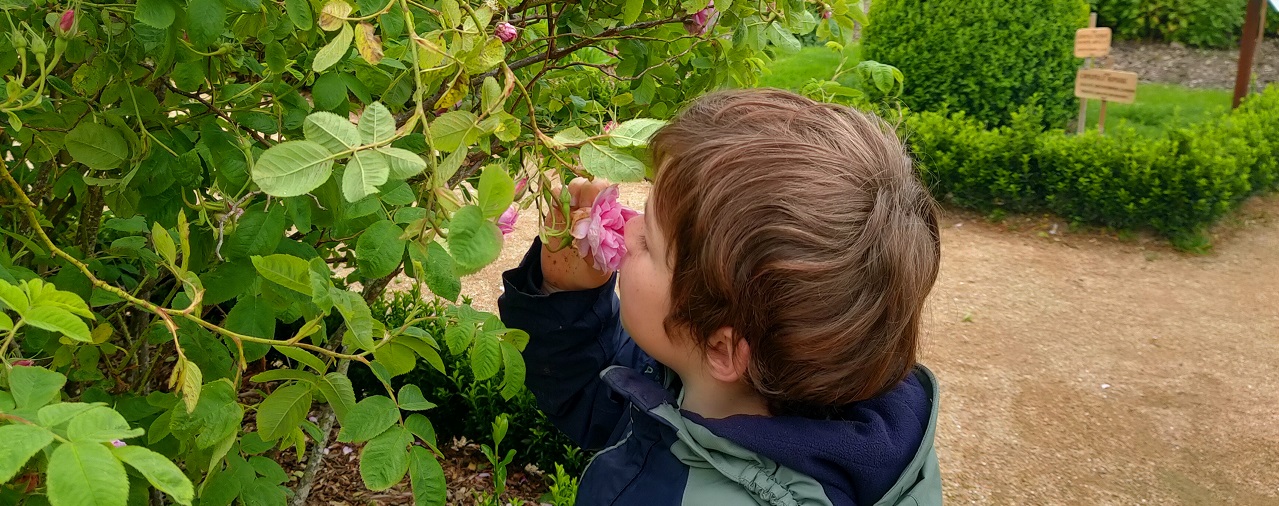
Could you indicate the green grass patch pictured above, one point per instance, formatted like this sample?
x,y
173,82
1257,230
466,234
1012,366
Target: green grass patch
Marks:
x,y
811,62
1162,107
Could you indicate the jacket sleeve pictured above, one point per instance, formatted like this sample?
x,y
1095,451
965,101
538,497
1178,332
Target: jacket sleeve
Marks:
x,y
573,336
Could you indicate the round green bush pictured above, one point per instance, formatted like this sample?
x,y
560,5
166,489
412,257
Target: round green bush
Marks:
x,y
984,57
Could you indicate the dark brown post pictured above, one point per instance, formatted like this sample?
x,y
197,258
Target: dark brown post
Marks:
x,y
1252,33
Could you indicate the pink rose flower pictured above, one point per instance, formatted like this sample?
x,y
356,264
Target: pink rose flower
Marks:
x,y
67,22
506,222
118,443
23,363
610,126
506,32
826,14
701,20
520,186
599,236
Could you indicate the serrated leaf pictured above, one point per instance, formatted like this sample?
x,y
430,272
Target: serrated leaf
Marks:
x,y
333,14
570,136
99,147
459,338
192,384
398,358
490,94
283,411
376,124
449,166
379,249
303,357
385,459
284,375
355,311
411,398
59,320
441,273
299,12
164,245
333,132
339,393
604,161
159,471
54,415
62,300
14,298
427,478
635,133
82,473
632,9
474,242
514,367
334,51
366,171
206,20
486,357
368,418
497,191
21,442
155,13
454,130
33,387
402,162
486,57
368,43
285,270
293,168
100,425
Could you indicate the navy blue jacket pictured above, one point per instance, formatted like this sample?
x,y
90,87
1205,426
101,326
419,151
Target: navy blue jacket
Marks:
x,y
605,393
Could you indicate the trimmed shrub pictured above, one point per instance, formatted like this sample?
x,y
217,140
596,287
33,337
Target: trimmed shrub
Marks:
x,y
1176,185
983,57
1198,23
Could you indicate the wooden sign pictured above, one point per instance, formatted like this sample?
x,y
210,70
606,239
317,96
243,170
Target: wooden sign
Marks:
x,y
1093,42
1112,85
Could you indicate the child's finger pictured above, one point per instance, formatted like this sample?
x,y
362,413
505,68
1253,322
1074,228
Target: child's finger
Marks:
x,y
575,189
587,193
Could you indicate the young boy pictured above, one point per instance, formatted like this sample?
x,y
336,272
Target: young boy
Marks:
x,y
763,350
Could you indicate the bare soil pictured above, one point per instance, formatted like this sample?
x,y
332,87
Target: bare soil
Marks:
x,y
1080,367
1196,68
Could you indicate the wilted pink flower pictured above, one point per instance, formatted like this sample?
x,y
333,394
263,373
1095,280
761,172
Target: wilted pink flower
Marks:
x,y
506,32
701,20
599,235
118,443
826,14
68,21
520,186
506,222
23,363
346,450
610,126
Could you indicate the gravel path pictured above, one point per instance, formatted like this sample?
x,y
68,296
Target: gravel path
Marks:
x,y
1196,68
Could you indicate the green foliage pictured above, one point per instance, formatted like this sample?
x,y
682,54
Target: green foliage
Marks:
x,y
1163,107
1199,23
562,489
1177,184
985,57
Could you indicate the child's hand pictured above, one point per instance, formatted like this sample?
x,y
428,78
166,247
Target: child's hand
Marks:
x,y
563,268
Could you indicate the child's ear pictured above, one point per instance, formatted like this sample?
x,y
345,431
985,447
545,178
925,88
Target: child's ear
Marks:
x,y
727,356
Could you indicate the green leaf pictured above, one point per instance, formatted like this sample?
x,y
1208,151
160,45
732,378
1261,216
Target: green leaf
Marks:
x,y
206,20
398,358
285,270
252,316
448,167
441,274
21,442
783,39
635,133
334,51
513,365
159,471
402,162
339,393
428,352
490,94
299,12
303,357
13,298
459,338
54,415
86,474
59,320
497,191
331,131
100,147
454,130
359,320
385,459
421,427
411,398
379,249
427,478
376,124
155,13
631,11
6,322
366,171
486,357
63,300
284,374
257,233
216,417
604,161
293,168
571,136
100,425
474,242
283,411
368,418
164,244
485,57
263,492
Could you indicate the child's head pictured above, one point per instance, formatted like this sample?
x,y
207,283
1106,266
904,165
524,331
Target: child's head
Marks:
x,y
794,245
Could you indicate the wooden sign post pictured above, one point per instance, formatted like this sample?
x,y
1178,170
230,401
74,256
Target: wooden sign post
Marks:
x,y
1102,84
1089,43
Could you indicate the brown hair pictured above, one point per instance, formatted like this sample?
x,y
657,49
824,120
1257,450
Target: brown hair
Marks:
x,y
803,227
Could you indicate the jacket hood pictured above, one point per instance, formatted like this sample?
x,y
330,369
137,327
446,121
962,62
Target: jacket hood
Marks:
x,y
872,452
